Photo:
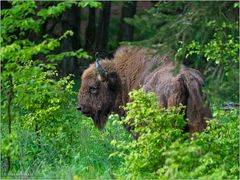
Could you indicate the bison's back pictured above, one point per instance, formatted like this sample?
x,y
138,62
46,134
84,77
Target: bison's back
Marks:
x,y
134,64
183,88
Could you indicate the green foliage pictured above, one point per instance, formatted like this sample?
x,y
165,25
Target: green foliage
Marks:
x,y
167,23
47,97
77,148
19,17
143,112
212,155
55,10
157,130
78,54
34,96
92,4
59,8
164,151
221,54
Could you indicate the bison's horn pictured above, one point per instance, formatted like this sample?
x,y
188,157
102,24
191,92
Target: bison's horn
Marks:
x,y
100,70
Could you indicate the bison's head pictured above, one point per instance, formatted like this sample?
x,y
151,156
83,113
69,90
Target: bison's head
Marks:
x,y
98,91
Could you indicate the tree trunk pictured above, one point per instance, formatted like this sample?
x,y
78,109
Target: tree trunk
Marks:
x,y
103,26
71,21
126,30
90,30
9,99
5,5
75,25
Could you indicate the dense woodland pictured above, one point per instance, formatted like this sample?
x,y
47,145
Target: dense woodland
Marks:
x,y
45,47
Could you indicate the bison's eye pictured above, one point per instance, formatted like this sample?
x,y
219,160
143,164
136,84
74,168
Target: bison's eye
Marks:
x,y
93,90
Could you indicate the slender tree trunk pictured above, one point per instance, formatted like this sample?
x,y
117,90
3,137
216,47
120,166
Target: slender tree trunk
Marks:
x,y
5,4
103,26
9,115
75,25
90,30
126,31
71,21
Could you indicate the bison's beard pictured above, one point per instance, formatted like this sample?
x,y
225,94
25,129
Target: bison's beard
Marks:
x,y
100,119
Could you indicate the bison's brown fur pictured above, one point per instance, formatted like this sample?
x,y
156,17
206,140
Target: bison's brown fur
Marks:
x,y
132,68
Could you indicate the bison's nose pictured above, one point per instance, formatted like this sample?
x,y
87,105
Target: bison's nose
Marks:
x,y
84,110
79,108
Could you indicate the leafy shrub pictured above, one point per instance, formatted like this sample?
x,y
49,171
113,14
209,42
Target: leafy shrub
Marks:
x,y
34,96
221,56
212,155
164,151
157,130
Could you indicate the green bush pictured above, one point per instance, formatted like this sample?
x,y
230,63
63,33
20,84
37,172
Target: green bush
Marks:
x,y
222,59
164,151
34,97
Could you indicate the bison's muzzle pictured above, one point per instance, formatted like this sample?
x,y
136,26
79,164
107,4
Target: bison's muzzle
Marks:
x,y
98,118
84,111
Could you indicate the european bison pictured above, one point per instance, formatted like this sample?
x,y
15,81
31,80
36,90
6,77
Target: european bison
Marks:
x,y
106,84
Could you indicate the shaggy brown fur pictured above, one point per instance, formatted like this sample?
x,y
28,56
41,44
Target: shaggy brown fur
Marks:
x,y
135,67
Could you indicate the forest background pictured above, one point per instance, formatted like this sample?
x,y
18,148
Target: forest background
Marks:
x,y
45,47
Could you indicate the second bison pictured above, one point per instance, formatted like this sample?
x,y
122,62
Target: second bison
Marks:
x,y
106,84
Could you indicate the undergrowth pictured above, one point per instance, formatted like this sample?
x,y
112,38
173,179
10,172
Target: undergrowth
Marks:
x,y
164,151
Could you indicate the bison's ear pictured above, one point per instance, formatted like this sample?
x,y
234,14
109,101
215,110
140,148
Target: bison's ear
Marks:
x,y
112,81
